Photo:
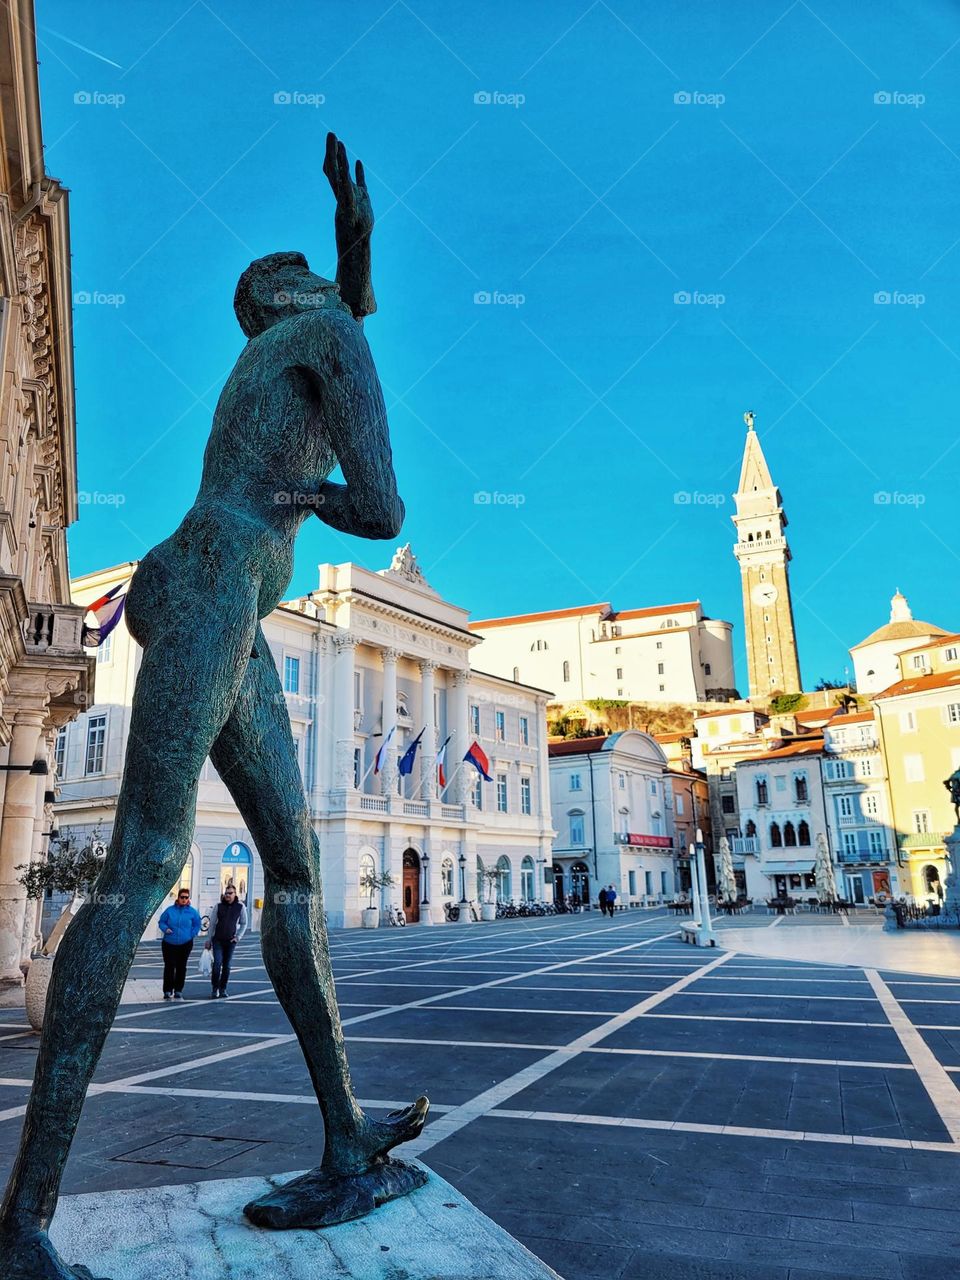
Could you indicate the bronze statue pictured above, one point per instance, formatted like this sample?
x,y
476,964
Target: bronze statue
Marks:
x,y
303,397
953,786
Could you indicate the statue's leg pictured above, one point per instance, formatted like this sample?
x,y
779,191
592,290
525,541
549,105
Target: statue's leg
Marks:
x,y
184,693
256,758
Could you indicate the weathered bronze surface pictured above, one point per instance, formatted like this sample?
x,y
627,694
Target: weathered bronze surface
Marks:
x,y
303,397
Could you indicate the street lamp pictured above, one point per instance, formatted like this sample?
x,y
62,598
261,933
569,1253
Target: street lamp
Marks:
x,y
39,768
705,935
463,883
425,916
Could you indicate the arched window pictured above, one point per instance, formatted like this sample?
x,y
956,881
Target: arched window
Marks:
x,y
776,840
527,880
566,673
367,867
751,828
803,832
516,675
504,885
446,876
762,793
789,834
767,534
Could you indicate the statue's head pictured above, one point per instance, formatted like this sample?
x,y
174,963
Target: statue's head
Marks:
x,y
277,287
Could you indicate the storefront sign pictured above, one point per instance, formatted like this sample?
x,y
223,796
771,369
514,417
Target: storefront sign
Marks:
x,y
647,842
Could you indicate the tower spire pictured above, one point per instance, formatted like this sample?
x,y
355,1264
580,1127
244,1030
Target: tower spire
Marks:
x,y
763,556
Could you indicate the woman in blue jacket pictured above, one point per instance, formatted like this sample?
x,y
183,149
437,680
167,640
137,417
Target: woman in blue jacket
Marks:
x,y
179,925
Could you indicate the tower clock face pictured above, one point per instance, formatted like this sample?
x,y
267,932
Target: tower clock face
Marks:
x,y
764,593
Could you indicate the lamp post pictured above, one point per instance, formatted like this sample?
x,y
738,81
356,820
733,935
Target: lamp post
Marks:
x,y
425,916
694,887
705,935
464,917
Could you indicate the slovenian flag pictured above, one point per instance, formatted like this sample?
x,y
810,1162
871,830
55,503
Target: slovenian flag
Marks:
x,y
108,611
381,754
409,756
441,762
478,758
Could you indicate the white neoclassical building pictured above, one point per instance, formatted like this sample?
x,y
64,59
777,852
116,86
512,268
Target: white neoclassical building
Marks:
x,y
614,811
668,653
364,654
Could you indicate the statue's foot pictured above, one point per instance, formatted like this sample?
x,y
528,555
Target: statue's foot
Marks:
x,y
321,1199
29,1255
363,1178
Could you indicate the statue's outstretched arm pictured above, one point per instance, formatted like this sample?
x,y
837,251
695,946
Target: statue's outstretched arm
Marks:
x,y
354,224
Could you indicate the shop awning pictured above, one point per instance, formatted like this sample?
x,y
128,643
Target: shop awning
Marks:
x,y
804,868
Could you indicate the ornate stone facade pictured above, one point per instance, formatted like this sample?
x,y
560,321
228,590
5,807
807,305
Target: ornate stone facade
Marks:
x,y
46,677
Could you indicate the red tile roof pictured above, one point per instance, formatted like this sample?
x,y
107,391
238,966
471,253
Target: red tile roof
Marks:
x,y
805,747
729,711
577,746
521,618
945,639
653,611
921,684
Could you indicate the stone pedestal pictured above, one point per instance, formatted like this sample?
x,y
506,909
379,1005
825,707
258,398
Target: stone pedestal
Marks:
x,y
196,1231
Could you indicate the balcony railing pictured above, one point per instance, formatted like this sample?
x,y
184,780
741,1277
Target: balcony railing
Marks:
x,y
54,629
374,804
870,857
416,808
744,844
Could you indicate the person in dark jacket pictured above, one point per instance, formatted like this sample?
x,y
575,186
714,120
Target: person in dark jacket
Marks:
x,y
228,924
611,900
178,925
603,902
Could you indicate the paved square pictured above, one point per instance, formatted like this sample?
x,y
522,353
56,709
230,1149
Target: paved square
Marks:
x,y
624,1104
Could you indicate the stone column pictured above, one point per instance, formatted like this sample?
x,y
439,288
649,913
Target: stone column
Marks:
x,y
16,839
428,743
460,740
343,720
388,720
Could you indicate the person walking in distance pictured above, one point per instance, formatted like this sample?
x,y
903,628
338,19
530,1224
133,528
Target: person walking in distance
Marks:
x,y
611,900
179,925
228,924
603,901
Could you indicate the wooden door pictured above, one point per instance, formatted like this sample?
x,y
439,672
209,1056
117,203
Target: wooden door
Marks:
x,y
411,887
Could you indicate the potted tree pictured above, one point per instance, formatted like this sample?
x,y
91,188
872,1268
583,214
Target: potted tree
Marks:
x,y
71,866
372,882
491,883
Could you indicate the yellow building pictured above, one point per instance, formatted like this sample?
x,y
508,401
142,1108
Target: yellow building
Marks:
x,y
919,723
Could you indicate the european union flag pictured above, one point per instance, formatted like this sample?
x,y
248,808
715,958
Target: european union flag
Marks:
x,y
405,764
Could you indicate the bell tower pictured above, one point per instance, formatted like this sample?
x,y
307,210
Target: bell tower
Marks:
x,y
763,555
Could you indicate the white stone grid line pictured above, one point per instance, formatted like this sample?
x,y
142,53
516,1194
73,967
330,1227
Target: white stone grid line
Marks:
x,y
726,1130
508,1088
941,1089
271,1042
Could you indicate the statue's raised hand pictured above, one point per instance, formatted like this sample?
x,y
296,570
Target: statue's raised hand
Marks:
x,y
353,223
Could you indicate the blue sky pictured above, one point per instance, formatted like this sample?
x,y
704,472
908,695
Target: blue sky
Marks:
x,y
780,164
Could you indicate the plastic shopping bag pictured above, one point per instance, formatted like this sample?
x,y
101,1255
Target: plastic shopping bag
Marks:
x,y
206,963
